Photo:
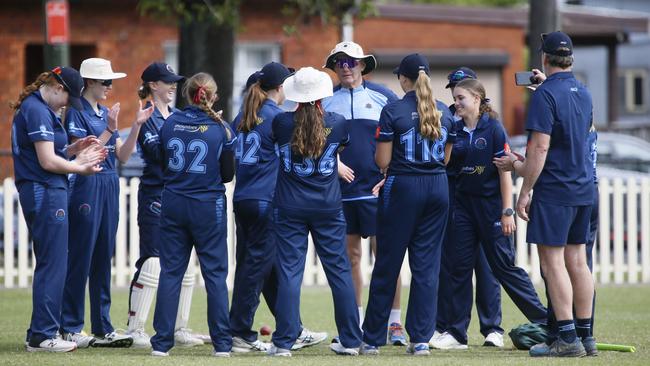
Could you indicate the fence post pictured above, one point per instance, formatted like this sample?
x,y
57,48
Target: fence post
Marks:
x,y
645,230
134,230
631,242
618,231
120,267
604,243
8,190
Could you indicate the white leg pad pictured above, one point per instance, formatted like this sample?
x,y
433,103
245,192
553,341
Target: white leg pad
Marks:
x,y
185,300
143,292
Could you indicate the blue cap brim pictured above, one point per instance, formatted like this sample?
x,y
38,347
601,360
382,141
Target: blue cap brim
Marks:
x,y
172,78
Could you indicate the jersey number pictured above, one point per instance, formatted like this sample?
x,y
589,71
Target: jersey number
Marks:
x,y
430,149
177,161
250,156
325,164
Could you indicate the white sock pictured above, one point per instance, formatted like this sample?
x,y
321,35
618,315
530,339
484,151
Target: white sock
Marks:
x,y
395,316
142,293
360,310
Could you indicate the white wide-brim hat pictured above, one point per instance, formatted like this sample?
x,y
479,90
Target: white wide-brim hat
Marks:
x,y
307,85
98,69
353,50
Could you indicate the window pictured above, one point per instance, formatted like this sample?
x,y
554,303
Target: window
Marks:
x,y
34,58
250,57
634,90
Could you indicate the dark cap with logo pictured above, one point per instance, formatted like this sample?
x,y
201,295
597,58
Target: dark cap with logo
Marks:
x,y
272,75
411,65
160,71
557,43
72,82
460,74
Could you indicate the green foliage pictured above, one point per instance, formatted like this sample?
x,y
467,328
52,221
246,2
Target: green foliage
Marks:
x,y
485,3
221,12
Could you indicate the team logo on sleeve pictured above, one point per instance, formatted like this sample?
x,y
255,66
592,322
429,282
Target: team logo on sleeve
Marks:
x,y
60,214
414,116
506,147
328,130
44,131
377,131
155,208
84,209
480,143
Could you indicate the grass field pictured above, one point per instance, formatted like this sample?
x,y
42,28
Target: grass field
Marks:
x,y
622,317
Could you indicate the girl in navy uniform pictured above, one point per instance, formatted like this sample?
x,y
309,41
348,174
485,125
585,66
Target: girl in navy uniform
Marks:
x,y
94,211
308,200
414,140
257,170
40,154
484,215
488,290
158,84
198,158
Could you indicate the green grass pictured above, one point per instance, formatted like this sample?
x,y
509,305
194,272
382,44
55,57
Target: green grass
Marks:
x,y
622,317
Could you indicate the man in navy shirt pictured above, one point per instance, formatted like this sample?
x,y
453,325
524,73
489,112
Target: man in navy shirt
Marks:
x,y
360,102
559,119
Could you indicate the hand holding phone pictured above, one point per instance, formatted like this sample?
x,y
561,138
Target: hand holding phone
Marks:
x,y
525,78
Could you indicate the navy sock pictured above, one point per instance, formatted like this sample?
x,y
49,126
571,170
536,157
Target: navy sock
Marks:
x,y
567,330
583,327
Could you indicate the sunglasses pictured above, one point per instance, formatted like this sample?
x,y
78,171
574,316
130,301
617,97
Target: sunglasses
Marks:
x,y
106,83
348,62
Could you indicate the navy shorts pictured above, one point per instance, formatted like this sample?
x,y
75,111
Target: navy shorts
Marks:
x,y
557,225
361,217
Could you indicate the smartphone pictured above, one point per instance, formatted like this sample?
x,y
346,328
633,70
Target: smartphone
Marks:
x,y
525,78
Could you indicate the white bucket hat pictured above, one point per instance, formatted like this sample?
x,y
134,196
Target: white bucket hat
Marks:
x,y
307,85
98,69
353,50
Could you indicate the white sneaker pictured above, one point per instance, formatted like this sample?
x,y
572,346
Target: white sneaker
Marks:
x,y
369,350
240,345
184,337
140,338
494,339
278,352
418,349
307,338
53,345
435,337
339,349
220,354
82,340
113,340
447,341
159,354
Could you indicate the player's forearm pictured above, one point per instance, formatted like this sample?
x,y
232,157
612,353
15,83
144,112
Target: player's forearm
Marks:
x,y
505,185
124,150
532,167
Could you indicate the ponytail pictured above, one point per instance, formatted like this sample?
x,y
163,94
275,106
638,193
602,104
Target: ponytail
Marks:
x,y
429,114
46,78
309,136
144,91
486,107
199,91
254,100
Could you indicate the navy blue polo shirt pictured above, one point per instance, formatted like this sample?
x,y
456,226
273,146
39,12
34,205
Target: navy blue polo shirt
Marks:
x,y
561,107
88,122
478,176
413,154
192,144
257,160
309,184
362,107
34,121
149,147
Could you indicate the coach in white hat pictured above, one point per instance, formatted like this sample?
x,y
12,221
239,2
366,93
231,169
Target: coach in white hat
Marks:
x,y
360,102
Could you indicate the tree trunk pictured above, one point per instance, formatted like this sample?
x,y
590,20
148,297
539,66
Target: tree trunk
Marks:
x,y
542,18
205,47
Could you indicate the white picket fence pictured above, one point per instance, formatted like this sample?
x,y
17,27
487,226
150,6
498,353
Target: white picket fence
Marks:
x,y
621,255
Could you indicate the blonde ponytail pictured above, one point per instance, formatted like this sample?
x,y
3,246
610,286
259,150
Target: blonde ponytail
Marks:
x,y
429,114
308,138
199,91
254,100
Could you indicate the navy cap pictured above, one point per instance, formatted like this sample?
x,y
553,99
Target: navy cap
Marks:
x,y
272,75
251,80
459,74
557,43
411,65
160,71
72,82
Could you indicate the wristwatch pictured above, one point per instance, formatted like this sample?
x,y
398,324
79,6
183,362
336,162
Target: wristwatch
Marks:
x,y
508,212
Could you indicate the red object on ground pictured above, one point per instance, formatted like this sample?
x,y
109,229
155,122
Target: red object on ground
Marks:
x,y
265,330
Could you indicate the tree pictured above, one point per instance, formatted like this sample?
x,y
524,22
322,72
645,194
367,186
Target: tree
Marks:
x,y
207,31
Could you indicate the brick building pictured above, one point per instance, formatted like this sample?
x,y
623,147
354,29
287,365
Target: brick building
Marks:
x,y
492,41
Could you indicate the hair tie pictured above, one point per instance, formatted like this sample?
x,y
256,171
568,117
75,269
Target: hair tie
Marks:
x,y
198,95
485,101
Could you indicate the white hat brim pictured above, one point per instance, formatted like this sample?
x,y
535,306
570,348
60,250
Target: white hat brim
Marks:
x,y
106,76
292,93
